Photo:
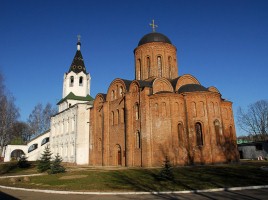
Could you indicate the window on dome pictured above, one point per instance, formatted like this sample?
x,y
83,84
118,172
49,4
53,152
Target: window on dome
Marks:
x,y
148,67
80,81
71,81
169,67
159,65
138,69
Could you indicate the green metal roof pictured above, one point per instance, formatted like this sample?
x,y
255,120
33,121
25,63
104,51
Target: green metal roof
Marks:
x,y
72,96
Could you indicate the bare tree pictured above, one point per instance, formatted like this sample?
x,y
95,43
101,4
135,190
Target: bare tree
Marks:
x,y
20,133
39,119
9,114
255,120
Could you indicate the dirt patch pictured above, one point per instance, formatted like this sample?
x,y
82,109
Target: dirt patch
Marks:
x,y
72,177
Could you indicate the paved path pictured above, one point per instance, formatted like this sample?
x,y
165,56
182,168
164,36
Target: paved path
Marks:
x,y
258,194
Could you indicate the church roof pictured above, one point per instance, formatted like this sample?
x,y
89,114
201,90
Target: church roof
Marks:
x,y
72,96
127,83
154,37
192,88
78,62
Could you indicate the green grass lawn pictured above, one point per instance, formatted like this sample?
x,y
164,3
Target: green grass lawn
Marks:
x,y
140,179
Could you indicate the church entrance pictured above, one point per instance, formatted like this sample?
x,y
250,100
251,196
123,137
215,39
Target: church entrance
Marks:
x,y
118,155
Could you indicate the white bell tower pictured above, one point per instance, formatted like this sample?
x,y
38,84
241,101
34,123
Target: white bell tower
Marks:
x,y
76,82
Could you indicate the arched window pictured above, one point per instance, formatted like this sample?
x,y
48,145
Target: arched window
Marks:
x,y
112,118
136,110
148,67
138,140
71,81
180,133
139,69
120,91
44,141
159,65
169,67
122,115
112,95
70,105
199,134
80,81
118,155
217,132
118,117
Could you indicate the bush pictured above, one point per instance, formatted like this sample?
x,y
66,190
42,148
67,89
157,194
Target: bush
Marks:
x,y
23,162
56,166
166,172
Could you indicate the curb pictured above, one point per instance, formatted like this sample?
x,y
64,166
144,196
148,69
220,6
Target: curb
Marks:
x,y
137,193
17,176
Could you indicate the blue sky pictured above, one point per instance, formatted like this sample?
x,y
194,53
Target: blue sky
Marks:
x,y
222,43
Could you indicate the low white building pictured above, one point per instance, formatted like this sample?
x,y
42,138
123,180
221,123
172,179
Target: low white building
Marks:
x,y
32,150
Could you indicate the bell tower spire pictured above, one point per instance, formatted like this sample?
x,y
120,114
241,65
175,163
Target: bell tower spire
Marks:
x,y
78,42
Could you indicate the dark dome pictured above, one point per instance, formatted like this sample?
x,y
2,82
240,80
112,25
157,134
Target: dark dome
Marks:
x,y
154,37
191,88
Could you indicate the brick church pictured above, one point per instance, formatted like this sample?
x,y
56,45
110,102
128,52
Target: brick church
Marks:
x,y
160,113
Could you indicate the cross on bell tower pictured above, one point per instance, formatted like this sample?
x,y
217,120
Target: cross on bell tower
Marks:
x,y
153,26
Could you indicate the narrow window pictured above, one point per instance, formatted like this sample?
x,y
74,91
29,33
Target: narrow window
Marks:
x,y
122,115
148,67
136,108
80,81
120,91
112,95
71,81
112,118
70,105
199,134
159,65
180,133
118,117
138,140
139,69
217,132
169,67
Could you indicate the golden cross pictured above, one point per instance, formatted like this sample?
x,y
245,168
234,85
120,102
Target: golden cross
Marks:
x,y
153,26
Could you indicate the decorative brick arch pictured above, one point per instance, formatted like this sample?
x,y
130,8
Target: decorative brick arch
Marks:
x,y
213,89
162,85
99,99
186,79
117,89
